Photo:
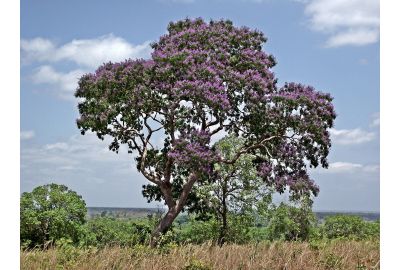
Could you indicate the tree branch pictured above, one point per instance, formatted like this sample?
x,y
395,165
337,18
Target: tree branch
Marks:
x,y
187,187
246,150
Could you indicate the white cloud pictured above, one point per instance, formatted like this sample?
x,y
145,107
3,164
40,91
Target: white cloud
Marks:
x,y
347,22
348,167
87,54
343,166
86,165
353,37
84,52
26,135
375,120
36,49
64,83
351,136
57,146
371,168
71,157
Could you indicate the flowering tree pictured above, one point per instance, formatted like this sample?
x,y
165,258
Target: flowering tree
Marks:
x,y
204,79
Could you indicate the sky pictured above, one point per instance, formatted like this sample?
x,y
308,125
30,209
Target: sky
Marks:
x,y
332,45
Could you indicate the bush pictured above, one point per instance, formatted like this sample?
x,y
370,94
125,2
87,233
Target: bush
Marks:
x,y
197,231
49,213
348,226
287,222
196,265
239,230
104,231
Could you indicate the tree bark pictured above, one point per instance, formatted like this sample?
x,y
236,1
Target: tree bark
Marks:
x,y
174,207
224,225
164,224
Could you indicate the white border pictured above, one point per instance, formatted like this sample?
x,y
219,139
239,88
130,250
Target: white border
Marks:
x,y
10,133
390,105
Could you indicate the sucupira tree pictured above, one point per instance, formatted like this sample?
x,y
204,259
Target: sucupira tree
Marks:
x,y
205,78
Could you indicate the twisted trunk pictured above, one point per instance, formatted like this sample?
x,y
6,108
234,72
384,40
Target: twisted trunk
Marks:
x,y
163,226
174,207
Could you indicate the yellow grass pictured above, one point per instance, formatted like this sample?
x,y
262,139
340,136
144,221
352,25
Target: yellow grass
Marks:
x,y
277,255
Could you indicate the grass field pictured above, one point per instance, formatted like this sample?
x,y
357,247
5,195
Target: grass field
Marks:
x,y
338,254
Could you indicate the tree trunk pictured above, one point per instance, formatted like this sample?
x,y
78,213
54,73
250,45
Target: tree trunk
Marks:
x,y
224,226
174,207
163,226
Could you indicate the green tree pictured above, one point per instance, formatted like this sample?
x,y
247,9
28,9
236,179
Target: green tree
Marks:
x,y
291,221
349,226
49,213
233,189
104,231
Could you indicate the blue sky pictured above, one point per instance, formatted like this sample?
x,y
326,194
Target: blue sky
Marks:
x,y
332,45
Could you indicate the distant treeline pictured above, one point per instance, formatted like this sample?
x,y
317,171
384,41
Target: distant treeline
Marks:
x,y
126,212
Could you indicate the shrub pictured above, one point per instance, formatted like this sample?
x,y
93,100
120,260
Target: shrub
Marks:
x,y
49,213
196,265
240,228
349,226
332,261
104,231
287,222
198,231
239,231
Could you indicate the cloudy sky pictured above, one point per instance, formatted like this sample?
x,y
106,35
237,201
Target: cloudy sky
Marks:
x,y
330,44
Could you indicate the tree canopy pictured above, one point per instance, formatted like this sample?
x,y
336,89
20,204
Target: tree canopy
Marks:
x,y
49,213
204,79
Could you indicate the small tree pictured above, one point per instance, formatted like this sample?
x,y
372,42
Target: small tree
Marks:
x,y
293,221
233,189
203,79
49,213
349,226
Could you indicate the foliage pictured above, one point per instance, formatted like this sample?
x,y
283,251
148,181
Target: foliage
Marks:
x,y
332,262
203,79
67,251
234,192
196,265
348,226
49,213
288,222
198,231
104,231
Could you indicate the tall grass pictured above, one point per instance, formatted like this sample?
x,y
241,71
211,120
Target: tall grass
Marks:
x,y
337,254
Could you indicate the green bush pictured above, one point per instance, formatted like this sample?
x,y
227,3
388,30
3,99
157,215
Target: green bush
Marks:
x,y
49,213
197,231
240,230
287,222
332,261
258,234
196,265
348,226
104,231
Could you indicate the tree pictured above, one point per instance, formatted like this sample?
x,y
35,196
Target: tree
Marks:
x,y
349,226
203,79
233,189
293,221
49,213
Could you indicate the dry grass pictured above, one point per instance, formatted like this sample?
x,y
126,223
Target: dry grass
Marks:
x,y
277,255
